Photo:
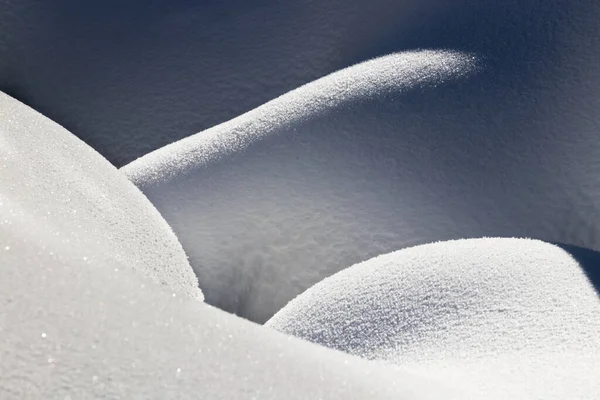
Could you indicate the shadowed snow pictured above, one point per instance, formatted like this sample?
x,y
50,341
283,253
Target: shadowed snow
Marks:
x,y
278,198
402,150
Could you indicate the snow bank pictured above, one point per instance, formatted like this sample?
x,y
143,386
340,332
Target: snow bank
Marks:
x,y
511,316
130,77
278,198
56,190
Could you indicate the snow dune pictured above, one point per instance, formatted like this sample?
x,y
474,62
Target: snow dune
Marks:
x,y
97,300
65,199
131,77
401,150
513,316
275,200
99,331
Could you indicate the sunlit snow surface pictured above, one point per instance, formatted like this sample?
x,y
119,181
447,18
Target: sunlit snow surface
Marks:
x,y
279,198
82,313
65,201
98,331
402,150
495,134
511,316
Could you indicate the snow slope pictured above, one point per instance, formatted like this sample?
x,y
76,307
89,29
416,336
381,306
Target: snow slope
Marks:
x,y
506,315
99,331
400,151
130,77
82,313
59,193
275,200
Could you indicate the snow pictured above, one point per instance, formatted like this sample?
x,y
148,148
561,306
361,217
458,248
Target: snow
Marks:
x,y
256,202
97,300
59,193
399,151
130,77
73,331
512,316
491,132
92,332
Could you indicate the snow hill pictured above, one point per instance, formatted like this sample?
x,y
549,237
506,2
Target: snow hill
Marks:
x,y
130,77
513,316
279,198
65,201
401,150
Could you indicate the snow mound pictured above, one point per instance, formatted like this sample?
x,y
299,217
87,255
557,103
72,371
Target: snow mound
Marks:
x,y
507,315
103,331
59,193
103,72
260,200
84,317
399,151
131,77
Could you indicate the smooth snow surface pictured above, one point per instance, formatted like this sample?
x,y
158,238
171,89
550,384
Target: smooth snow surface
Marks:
x,y
70,204
402,150
97,330
512,316
79,321
279,198
130,77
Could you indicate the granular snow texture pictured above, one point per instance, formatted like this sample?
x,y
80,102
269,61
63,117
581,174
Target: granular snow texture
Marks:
x,y
59,193
506,315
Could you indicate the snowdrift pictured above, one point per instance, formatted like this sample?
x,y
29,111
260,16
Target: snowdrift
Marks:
x,y
99,331
513,315
402,150
130,77
275,200
98,301
69,203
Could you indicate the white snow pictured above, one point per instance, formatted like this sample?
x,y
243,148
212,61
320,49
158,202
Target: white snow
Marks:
x,y
402,150
91,332
82,313
495,135
59,193
512,316
278,198
131,77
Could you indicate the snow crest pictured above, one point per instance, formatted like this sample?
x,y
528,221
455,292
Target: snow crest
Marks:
x,y
402,150
275,200
70,203
97,300
512,315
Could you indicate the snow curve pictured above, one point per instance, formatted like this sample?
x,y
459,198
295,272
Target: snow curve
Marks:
x,y
97,300
259,200
101,331
513,315
56,189
399,151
